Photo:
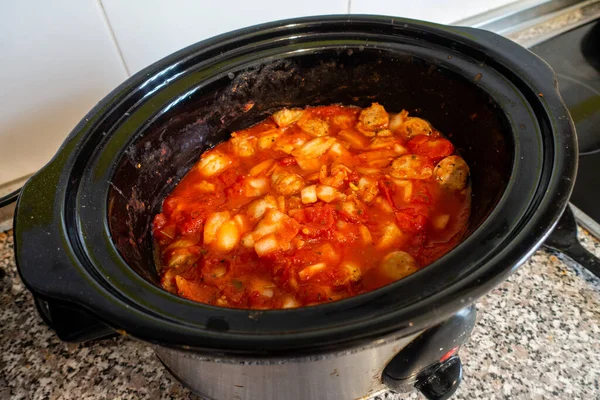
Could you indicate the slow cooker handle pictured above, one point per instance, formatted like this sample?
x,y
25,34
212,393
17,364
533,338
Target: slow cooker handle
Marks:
x,y
45,261
70,323
430,362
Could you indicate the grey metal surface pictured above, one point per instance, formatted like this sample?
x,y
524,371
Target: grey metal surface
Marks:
x,y
352,374
548,26
586,222
7,213
512,16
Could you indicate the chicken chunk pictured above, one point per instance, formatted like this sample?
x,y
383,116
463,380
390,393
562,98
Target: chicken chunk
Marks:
x,y
242,146
221,232
291,141
286,116
351,272
213,224
368,189
391,236
262,167
387,144
337,177
411,166
274,232
213,163
314,126
354,138
309,164
267,226
256,186
378,158
374,118
267,139
398,264
228,237
259,207
353,209
384,133
181,256
397,120
344,121
286,183
205,187
452,173
314,148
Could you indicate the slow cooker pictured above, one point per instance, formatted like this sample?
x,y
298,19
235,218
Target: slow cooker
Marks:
x,y
82,224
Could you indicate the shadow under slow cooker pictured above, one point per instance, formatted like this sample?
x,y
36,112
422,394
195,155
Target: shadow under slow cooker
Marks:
x,y
171,141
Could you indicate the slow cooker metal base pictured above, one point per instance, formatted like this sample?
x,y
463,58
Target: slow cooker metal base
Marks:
x,y
352,374
426,360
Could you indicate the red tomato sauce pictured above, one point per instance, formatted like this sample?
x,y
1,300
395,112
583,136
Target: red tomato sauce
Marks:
x,y
311,206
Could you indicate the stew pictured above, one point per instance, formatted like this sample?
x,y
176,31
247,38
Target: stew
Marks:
x,y
311,206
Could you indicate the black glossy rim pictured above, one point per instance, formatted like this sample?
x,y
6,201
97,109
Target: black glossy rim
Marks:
x,y
122,298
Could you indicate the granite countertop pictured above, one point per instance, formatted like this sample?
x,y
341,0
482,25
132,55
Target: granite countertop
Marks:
x,y
537,337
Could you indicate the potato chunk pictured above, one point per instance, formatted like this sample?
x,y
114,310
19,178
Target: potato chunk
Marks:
x,y
411,166
311,270
309,194
326,193
452,173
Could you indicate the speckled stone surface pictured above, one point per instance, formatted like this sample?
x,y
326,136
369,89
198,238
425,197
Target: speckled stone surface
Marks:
x,y
537,337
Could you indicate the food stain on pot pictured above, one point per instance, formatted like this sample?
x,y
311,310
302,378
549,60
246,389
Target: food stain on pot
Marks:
x,y
255,315
478,78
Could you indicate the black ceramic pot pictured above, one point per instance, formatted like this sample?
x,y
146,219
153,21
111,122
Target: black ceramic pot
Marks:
x,y
82,226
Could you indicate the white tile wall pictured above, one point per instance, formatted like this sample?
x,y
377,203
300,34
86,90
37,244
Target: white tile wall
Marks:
x,y
57,60
147,30
440,11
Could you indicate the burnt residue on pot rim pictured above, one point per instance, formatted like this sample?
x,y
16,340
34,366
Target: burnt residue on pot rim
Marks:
x,y
67,249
